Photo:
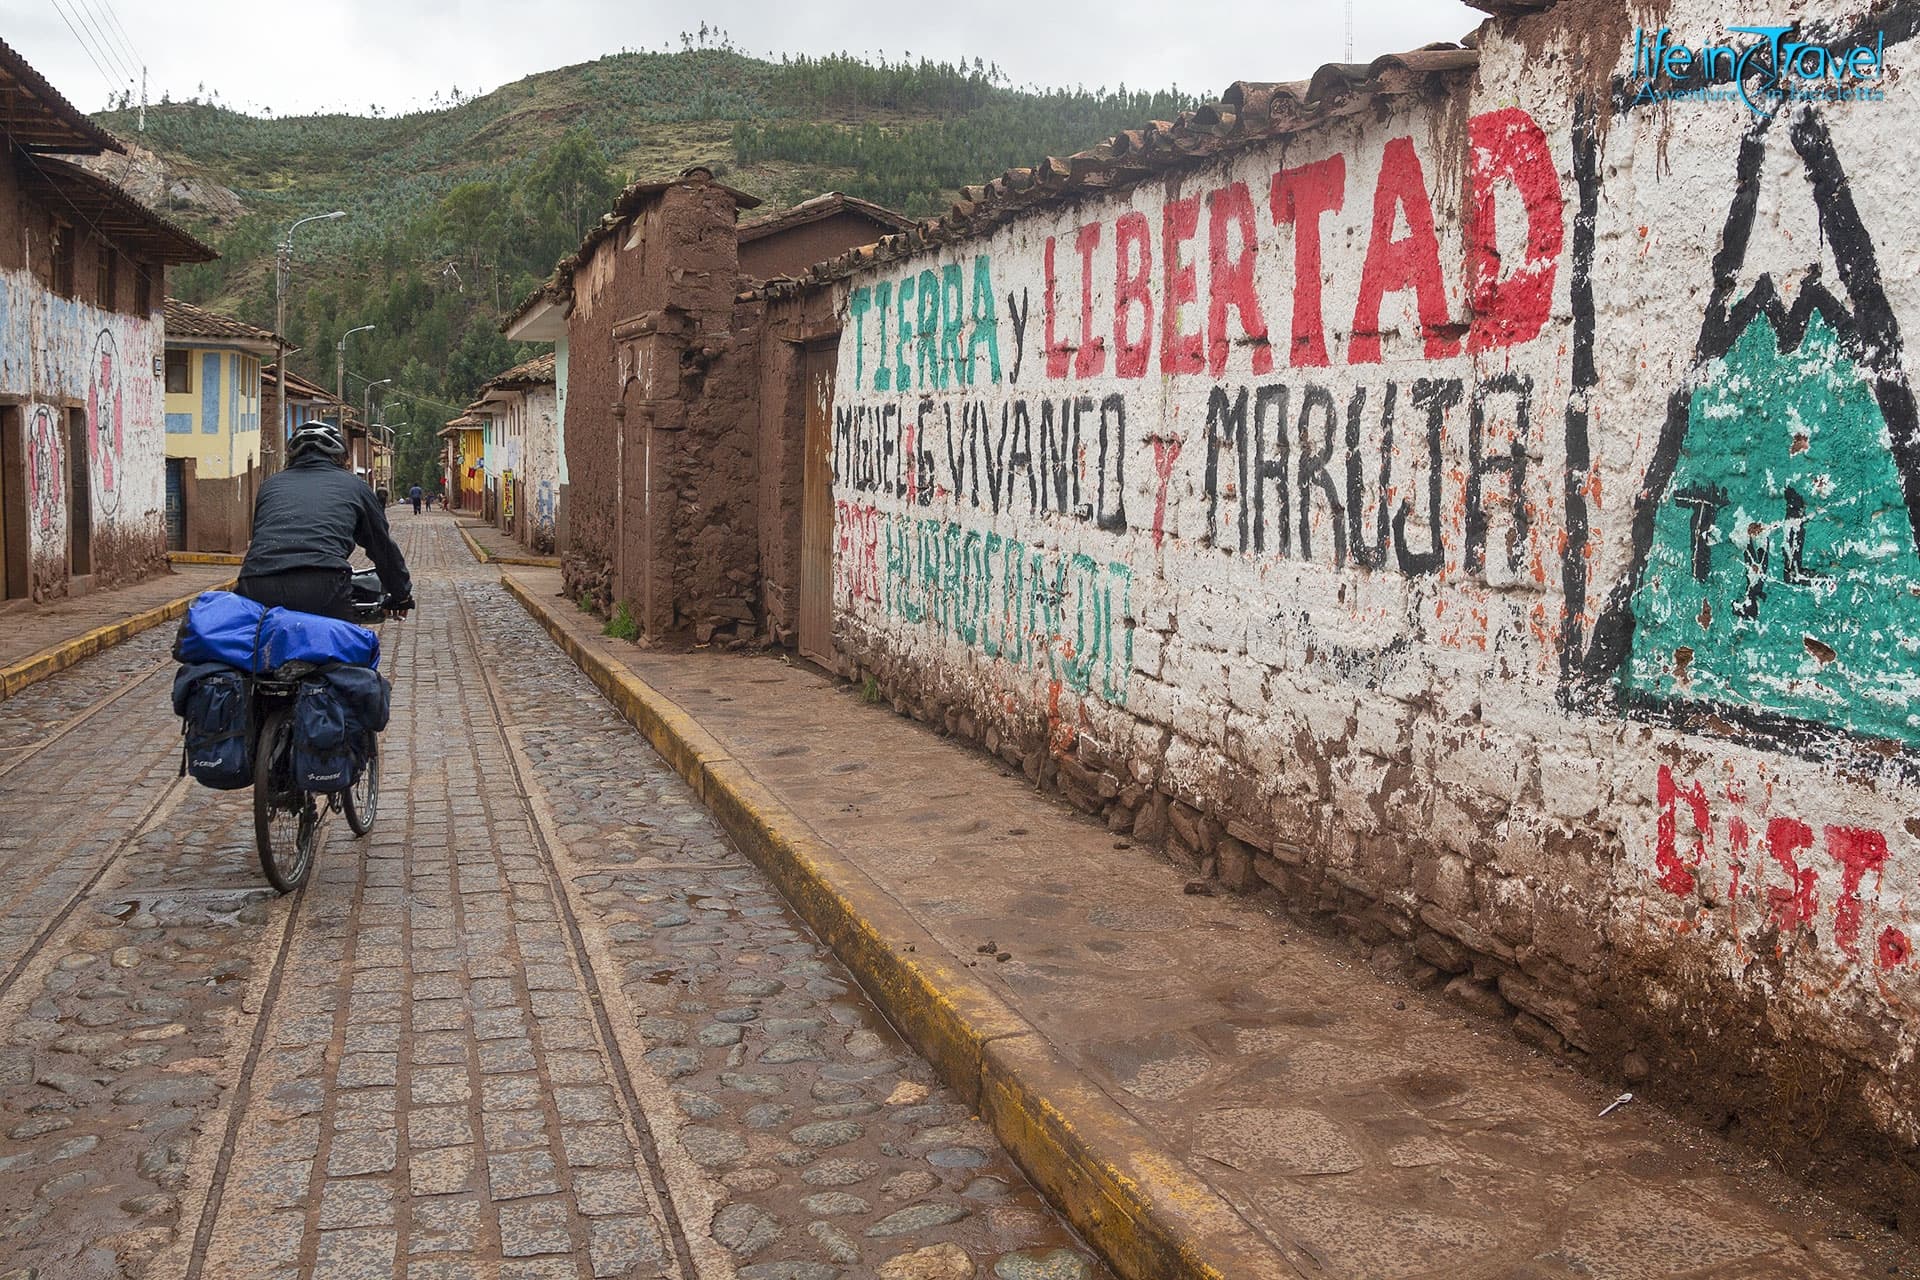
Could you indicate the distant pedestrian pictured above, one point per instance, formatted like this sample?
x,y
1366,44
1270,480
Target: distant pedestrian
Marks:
x,y
414,494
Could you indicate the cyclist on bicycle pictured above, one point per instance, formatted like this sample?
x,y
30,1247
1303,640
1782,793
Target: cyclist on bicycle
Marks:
x,y
306,523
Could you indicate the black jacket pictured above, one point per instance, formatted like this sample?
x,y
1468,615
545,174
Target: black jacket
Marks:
x,y
311,516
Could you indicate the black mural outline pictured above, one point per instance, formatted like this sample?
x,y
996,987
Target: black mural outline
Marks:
x,y
1869,334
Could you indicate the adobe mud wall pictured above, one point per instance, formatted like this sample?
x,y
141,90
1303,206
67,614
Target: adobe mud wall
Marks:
x,y
1488,519
659,468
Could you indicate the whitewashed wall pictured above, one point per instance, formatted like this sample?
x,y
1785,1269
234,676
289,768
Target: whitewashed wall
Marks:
x,y
1597,663
57,354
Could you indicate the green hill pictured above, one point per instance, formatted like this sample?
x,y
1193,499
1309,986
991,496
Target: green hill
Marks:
x,y
456,213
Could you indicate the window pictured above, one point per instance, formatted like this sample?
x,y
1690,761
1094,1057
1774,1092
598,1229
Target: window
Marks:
x,y
107,279
179,371
63,251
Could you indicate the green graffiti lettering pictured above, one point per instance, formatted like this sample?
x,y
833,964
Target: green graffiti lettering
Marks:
x,y
986,329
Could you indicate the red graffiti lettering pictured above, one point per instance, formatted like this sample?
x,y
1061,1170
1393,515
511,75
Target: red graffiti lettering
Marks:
x,y
1894,948
1793,906
1392,266
1091,358
1230,279
1130,287
1166,451
1508,145
1299,197
1055,349
1675,877
1180,352
1858,851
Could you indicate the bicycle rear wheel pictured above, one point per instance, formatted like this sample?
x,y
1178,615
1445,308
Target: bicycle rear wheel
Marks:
x,y
362,799
286,821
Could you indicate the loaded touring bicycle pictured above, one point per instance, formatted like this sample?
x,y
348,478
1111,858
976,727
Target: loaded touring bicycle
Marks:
x,y
290,704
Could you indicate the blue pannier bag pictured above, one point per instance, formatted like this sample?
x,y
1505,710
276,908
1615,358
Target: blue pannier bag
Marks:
x,y
288,636
324,747
221,627
365,694
212,702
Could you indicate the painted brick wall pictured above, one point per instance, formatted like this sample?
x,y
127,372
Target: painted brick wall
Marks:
x,y
57,353
1491,522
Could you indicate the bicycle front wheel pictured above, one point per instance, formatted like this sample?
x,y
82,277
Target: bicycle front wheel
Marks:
x,y
362,799
286,820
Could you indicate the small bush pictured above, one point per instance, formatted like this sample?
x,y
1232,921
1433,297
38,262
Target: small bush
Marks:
x,y
621,625
585,602
870,690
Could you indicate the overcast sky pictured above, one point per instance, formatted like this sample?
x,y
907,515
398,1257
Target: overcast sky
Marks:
x,y
294,56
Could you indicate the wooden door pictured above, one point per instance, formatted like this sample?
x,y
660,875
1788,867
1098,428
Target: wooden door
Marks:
x,y
16,539
176,504
816,507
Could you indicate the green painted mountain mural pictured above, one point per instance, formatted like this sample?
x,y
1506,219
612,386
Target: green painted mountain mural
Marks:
x,y
1782,576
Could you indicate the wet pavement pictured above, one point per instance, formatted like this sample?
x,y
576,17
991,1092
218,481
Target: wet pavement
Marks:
x,y
543,1022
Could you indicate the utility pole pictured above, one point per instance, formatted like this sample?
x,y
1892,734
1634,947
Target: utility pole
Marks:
x,y
1349,31
273,440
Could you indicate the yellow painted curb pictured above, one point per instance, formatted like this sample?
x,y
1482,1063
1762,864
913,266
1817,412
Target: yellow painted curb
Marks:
x,y
204,557
59,657
1132,1199
485,556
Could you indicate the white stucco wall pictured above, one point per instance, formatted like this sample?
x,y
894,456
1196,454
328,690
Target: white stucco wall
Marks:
x,y
1599,669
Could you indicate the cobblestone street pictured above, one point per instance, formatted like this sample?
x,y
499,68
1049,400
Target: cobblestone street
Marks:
x,y
543,1022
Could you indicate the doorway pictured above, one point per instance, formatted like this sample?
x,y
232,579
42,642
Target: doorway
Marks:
x,y
16,547
79,497
176,504
816,505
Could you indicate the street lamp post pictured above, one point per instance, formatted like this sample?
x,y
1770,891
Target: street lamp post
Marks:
x,y
366,416
282,274
340,362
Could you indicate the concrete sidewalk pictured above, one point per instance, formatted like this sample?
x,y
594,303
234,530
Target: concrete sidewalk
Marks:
x,y
1206,1087
490,546
38,640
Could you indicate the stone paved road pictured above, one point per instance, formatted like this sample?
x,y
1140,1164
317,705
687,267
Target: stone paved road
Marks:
x,y
543,1022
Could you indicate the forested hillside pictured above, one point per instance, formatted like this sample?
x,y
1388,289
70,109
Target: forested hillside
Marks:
x,y
454,214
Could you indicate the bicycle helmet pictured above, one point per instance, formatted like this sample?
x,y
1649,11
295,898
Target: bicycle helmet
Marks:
x,y
320,436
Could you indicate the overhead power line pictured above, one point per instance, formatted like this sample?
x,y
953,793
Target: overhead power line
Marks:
x,y
84,46
108,51
110,23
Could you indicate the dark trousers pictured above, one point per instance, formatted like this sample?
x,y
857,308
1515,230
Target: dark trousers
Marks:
x,y
327,592
416,506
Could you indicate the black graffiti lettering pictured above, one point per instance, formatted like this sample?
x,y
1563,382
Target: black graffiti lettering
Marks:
x,y
1438,395
1512,462
1270,473
1021,459
1111,513
1314,474
1017,312
1059,448
842,445
957,459
1793,566
1371,555
1704,506
921,459
1226,430
1757,556
997,460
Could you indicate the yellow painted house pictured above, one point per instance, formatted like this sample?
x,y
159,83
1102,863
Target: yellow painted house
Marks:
x,y
213,389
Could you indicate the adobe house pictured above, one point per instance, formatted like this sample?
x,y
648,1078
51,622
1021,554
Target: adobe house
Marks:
x,y
213,390
83,500
521,404
787,242
657,379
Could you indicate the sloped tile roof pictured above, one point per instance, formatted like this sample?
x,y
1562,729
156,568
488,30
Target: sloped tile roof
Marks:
x,y
184,320
36,115
531,373
816,208
97,203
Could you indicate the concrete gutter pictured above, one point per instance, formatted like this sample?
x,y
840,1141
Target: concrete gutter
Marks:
x,y
485,556
1132,1198
59,657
